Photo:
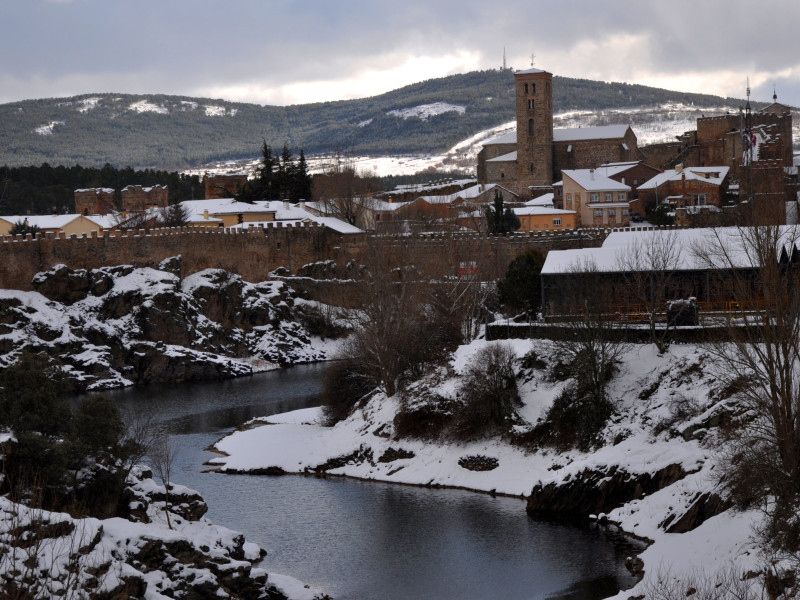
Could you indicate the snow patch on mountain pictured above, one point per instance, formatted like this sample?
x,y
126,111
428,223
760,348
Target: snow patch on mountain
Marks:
x,y
88,104
144,106
48,129
425,111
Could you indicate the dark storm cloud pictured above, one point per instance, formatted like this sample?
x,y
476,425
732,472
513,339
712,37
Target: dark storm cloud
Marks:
x,y
258,50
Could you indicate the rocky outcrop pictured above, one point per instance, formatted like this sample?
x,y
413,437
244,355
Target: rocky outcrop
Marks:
x,y
120,325
134,558
595,491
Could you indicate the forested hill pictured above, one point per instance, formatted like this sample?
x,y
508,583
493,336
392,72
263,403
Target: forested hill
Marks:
x,y
169,132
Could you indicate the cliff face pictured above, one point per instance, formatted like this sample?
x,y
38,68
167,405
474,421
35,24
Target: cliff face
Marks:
x,y
121,325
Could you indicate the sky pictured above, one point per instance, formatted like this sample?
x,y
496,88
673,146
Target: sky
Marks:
x,y
295,52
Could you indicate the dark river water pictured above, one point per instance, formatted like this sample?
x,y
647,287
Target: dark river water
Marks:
x,y
359,540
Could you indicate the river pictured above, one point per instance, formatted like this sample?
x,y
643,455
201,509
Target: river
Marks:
x,y
359,540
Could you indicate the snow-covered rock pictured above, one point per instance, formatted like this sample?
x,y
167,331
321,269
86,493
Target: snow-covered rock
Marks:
x,y
122,325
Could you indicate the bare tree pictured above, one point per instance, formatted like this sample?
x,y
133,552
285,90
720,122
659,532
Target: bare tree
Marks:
x,y
592,342
756,267
343,193
650,268
162,455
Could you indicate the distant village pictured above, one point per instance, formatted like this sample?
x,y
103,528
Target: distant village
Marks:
x,y
552,180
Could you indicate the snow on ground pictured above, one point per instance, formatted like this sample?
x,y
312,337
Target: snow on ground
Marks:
x,y
143,106
87,544
214,111
425,111
88,104
642,437
47,129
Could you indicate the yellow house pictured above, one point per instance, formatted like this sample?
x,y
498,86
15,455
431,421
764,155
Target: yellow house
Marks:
x,y
543,218
69,224
226,212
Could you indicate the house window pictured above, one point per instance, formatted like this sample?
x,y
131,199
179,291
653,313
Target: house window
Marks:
x,y
700,200
624,212
598,212
556,221
612,212
595,197
608,196
377,216
502,175
569,196
622,196
530,126
530,104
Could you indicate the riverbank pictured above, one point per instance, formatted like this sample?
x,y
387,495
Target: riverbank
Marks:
x,y
655,476
149,554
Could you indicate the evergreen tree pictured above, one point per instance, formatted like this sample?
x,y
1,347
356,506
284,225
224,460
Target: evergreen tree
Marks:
x,y
302,179
501,218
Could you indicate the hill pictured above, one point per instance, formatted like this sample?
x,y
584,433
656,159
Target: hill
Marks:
x,y
170,132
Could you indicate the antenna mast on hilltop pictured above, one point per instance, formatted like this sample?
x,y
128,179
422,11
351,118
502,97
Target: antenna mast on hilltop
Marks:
x,y
748,141
504,58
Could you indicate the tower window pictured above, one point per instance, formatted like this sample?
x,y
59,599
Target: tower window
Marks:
x,y
530,126
533,88
526,88
531,167
530,104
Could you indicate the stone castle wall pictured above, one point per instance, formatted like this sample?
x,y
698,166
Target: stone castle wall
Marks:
x,y
94,201
136,198
256,252
223,186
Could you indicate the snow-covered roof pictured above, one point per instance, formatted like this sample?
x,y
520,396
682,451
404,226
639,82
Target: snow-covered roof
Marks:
x,y
96,190
530,71
511,156
611,169
593,181
543,200
105,221
697,249
383,205
714,175
599,132
506,138
42,221
540,210
221,206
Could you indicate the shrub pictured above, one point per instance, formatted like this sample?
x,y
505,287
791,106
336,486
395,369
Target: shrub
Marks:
x,y
574,420
343,387
426,421
489,394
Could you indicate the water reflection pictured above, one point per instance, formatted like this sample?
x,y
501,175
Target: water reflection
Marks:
x,y
358,540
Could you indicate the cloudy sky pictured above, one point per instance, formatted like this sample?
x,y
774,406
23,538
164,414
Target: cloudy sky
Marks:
x,y
288,52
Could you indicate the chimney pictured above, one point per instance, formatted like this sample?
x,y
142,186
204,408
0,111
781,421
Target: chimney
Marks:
x,y
591,174
205,214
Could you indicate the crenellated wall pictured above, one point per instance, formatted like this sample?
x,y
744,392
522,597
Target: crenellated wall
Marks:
x,y
255,252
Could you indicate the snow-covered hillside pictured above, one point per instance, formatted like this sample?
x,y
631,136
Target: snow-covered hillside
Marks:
x,y
659,455
651,125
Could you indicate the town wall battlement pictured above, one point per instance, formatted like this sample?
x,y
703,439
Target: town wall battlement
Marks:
x,y
253,253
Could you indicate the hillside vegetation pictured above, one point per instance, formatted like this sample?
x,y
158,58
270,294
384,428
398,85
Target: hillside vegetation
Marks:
x,y
170,132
